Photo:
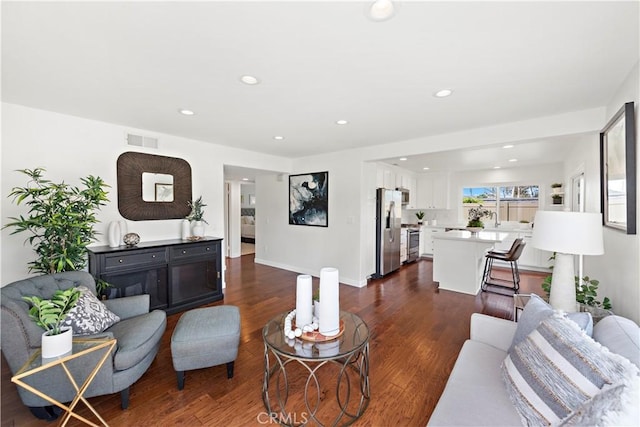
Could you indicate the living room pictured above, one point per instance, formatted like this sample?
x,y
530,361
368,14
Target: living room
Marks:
x,y
45,121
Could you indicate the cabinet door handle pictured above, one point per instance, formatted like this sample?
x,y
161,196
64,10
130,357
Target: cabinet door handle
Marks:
x,y
120,260
207,248
153,256
184,252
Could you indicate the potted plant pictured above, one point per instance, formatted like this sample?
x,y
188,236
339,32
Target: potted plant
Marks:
x,y
475,216
49,315
557,199
420,216
61,220
196,217
556,187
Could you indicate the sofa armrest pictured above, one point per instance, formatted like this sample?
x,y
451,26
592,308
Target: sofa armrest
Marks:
x,y
492,330
127,307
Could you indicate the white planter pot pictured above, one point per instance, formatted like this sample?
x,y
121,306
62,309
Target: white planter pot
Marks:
x,y
56,345
198,229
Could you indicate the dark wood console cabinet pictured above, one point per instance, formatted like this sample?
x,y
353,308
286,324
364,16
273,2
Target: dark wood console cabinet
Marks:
x,y
176,274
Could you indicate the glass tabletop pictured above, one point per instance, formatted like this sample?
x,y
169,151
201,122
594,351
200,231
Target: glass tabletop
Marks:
x,y
355,336
80,346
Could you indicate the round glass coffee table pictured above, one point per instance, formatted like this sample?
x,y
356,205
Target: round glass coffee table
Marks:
x,y
323,382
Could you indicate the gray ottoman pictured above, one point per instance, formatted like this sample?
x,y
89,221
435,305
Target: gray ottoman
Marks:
x,y
205,337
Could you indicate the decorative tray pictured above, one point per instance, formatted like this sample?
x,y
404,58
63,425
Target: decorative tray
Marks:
x,y
316,336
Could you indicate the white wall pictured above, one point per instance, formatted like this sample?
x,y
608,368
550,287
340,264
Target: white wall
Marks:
x,y
307,249
70,148
618,270
246,191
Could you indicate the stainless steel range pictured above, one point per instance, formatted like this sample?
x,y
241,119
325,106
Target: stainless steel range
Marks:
x,y
413,244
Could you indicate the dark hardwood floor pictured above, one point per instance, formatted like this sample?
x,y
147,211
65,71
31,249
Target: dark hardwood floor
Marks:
x,y
416,334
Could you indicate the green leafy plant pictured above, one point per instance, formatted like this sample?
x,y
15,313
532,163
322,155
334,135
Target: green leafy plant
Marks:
x,y
61,219
556,185
197,212
469,199
102,286
476,214
420,215
556,196
49,314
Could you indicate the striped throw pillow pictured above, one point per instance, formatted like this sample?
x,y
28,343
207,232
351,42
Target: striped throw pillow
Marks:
x,y
558,370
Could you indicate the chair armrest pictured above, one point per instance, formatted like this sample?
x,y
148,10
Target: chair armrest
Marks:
x,y
492,330
127,307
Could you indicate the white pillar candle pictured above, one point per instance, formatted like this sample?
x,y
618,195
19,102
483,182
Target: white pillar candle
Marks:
x,y
329,319
303,301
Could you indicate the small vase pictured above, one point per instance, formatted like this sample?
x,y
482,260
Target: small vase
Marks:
x,y
123,228
56,345
185,229
113,234
198,229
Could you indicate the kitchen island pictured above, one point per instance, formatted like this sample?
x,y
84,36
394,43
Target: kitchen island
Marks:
x,y
458,258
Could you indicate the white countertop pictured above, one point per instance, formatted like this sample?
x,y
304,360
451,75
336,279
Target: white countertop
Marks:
x,y
483,236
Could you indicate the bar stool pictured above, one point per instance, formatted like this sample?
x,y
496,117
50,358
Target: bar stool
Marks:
x,y
511,256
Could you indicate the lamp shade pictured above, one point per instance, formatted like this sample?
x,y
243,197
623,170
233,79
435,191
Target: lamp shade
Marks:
x,y
578,233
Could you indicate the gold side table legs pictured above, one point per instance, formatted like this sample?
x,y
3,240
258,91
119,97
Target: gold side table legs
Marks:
x,y
32,367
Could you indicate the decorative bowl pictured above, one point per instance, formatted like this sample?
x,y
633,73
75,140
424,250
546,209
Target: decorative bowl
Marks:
x,y
474,230
131,239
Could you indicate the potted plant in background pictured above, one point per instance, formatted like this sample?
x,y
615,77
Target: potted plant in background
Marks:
x,y
196,217
557,199
476,214
420,216
61,220
556,187
49,315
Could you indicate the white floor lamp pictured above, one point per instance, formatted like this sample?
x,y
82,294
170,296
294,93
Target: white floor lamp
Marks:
x,y
567,234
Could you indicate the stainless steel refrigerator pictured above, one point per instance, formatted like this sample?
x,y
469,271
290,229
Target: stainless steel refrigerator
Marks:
x,y
388,223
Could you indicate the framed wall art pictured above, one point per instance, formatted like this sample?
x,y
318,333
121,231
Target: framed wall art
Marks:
x,y
618,171
309,199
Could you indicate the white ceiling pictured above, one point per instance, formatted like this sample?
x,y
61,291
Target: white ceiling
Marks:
x,y
137,63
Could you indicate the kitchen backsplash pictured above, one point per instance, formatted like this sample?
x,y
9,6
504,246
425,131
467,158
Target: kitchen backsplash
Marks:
x,y
444,216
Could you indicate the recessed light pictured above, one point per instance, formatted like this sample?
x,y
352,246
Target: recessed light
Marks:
x,y
508,146
245,179
426,168
513,160
443,93
249,80
278,137
186,112
381,10
341,122
403,159
496,167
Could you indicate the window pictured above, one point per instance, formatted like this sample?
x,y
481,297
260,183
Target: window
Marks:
x,y
511,203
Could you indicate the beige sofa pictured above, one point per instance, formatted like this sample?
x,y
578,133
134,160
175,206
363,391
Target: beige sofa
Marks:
x,y
476,394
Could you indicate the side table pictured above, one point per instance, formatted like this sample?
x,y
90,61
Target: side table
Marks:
x,y
520,300
81,347
319,383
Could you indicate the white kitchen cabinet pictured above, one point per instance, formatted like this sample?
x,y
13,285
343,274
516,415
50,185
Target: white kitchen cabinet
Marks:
x,y
426,239
433,191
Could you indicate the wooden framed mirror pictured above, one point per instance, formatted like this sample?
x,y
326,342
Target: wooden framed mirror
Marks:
x,y
153,187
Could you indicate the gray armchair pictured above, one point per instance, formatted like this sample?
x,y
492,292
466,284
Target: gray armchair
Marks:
x,y
138,333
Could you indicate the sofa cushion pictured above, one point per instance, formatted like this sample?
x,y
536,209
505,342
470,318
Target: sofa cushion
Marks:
x,y
558,369
620,335
475,394
136,337
536,311
89,315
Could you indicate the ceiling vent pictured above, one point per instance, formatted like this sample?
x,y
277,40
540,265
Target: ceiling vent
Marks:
x,y
142,141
